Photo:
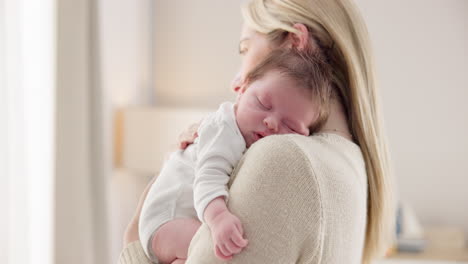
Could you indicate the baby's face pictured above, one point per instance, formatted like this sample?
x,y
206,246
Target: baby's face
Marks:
x,y
274,104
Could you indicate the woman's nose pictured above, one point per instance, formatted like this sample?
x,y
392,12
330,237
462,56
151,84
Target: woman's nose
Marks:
x,y
236,83
271,123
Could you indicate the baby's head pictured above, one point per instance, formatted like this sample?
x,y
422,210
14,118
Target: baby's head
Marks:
x,y
287,93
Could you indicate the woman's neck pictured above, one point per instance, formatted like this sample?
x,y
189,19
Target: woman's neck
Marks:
x,y
336,122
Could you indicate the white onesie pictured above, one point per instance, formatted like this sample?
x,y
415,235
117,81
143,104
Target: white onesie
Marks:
x,y
192,178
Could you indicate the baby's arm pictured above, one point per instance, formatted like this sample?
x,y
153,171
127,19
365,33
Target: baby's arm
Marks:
x,y
226,229
219,149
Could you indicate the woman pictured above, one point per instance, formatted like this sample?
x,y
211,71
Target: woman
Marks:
x,y
326,198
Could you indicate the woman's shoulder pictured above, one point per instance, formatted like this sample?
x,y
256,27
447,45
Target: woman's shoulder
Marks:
x,y
329,149
331,159
319,179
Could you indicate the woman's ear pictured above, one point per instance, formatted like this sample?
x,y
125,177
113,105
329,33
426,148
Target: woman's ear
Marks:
x,y
301,40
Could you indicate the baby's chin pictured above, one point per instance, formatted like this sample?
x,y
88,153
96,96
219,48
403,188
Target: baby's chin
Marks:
x,y
249,143
251,140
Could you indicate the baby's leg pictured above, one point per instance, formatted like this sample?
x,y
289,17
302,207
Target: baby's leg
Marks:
x,y
172,240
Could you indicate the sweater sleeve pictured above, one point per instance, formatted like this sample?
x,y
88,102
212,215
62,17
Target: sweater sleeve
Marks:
x,y
133,254
277,198
219,149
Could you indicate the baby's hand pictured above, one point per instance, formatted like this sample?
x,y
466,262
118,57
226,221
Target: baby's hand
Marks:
x,y
226,231
188,136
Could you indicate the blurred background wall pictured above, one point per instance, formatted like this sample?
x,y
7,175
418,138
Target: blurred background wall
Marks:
x,y
196,45
421,50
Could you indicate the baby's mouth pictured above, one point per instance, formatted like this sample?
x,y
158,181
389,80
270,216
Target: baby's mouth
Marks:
x,y
258,136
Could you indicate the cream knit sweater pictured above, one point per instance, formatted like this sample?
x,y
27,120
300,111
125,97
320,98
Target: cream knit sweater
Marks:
x,y
300,200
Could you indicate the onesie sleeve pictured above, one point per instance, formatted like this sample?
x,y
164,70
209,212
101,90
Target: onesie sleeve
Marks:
x,y
219,149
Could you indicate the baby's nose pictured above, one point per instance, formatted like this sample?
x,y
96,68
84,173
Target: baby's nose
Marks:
x,y
272,124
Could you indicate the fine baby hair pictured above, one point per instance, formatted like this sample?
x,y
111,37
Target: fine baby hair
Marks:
x,y
308,69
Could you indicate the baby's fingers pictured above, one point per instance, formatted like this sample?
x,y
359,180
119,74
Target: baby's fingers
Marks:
x,y
239,240
183,145
239,227
233,249
188,136
219,253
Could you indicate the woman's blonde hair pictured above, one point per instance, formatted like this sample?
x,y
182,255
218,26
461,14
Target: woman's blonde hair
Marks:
x,y
338,31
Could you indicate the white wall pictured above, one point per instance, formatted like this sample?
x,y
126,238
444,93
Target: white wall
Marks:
x,y
126,51
4,222
196,51
421,49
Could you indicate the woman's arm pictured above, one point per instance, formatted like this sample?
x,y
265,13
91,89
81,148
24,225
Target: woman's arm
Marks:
x,y
132,252
131,232
276,197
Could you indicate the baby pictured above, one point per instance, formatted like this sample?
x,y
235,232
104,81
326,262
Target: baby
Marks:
x,y
286,93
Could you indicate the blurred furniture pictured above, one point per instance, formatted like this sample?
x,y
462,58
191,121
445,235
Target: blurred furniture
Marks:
x,y
145,135
443,243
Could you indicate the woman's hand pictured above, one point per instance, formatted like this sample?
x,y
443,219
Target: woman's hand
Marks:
x,y
188,136
226,231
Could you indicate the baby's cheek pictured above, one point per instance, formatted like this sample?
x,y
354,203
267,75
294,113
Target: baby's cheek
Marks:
x,y
242,122
284,130
257,118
